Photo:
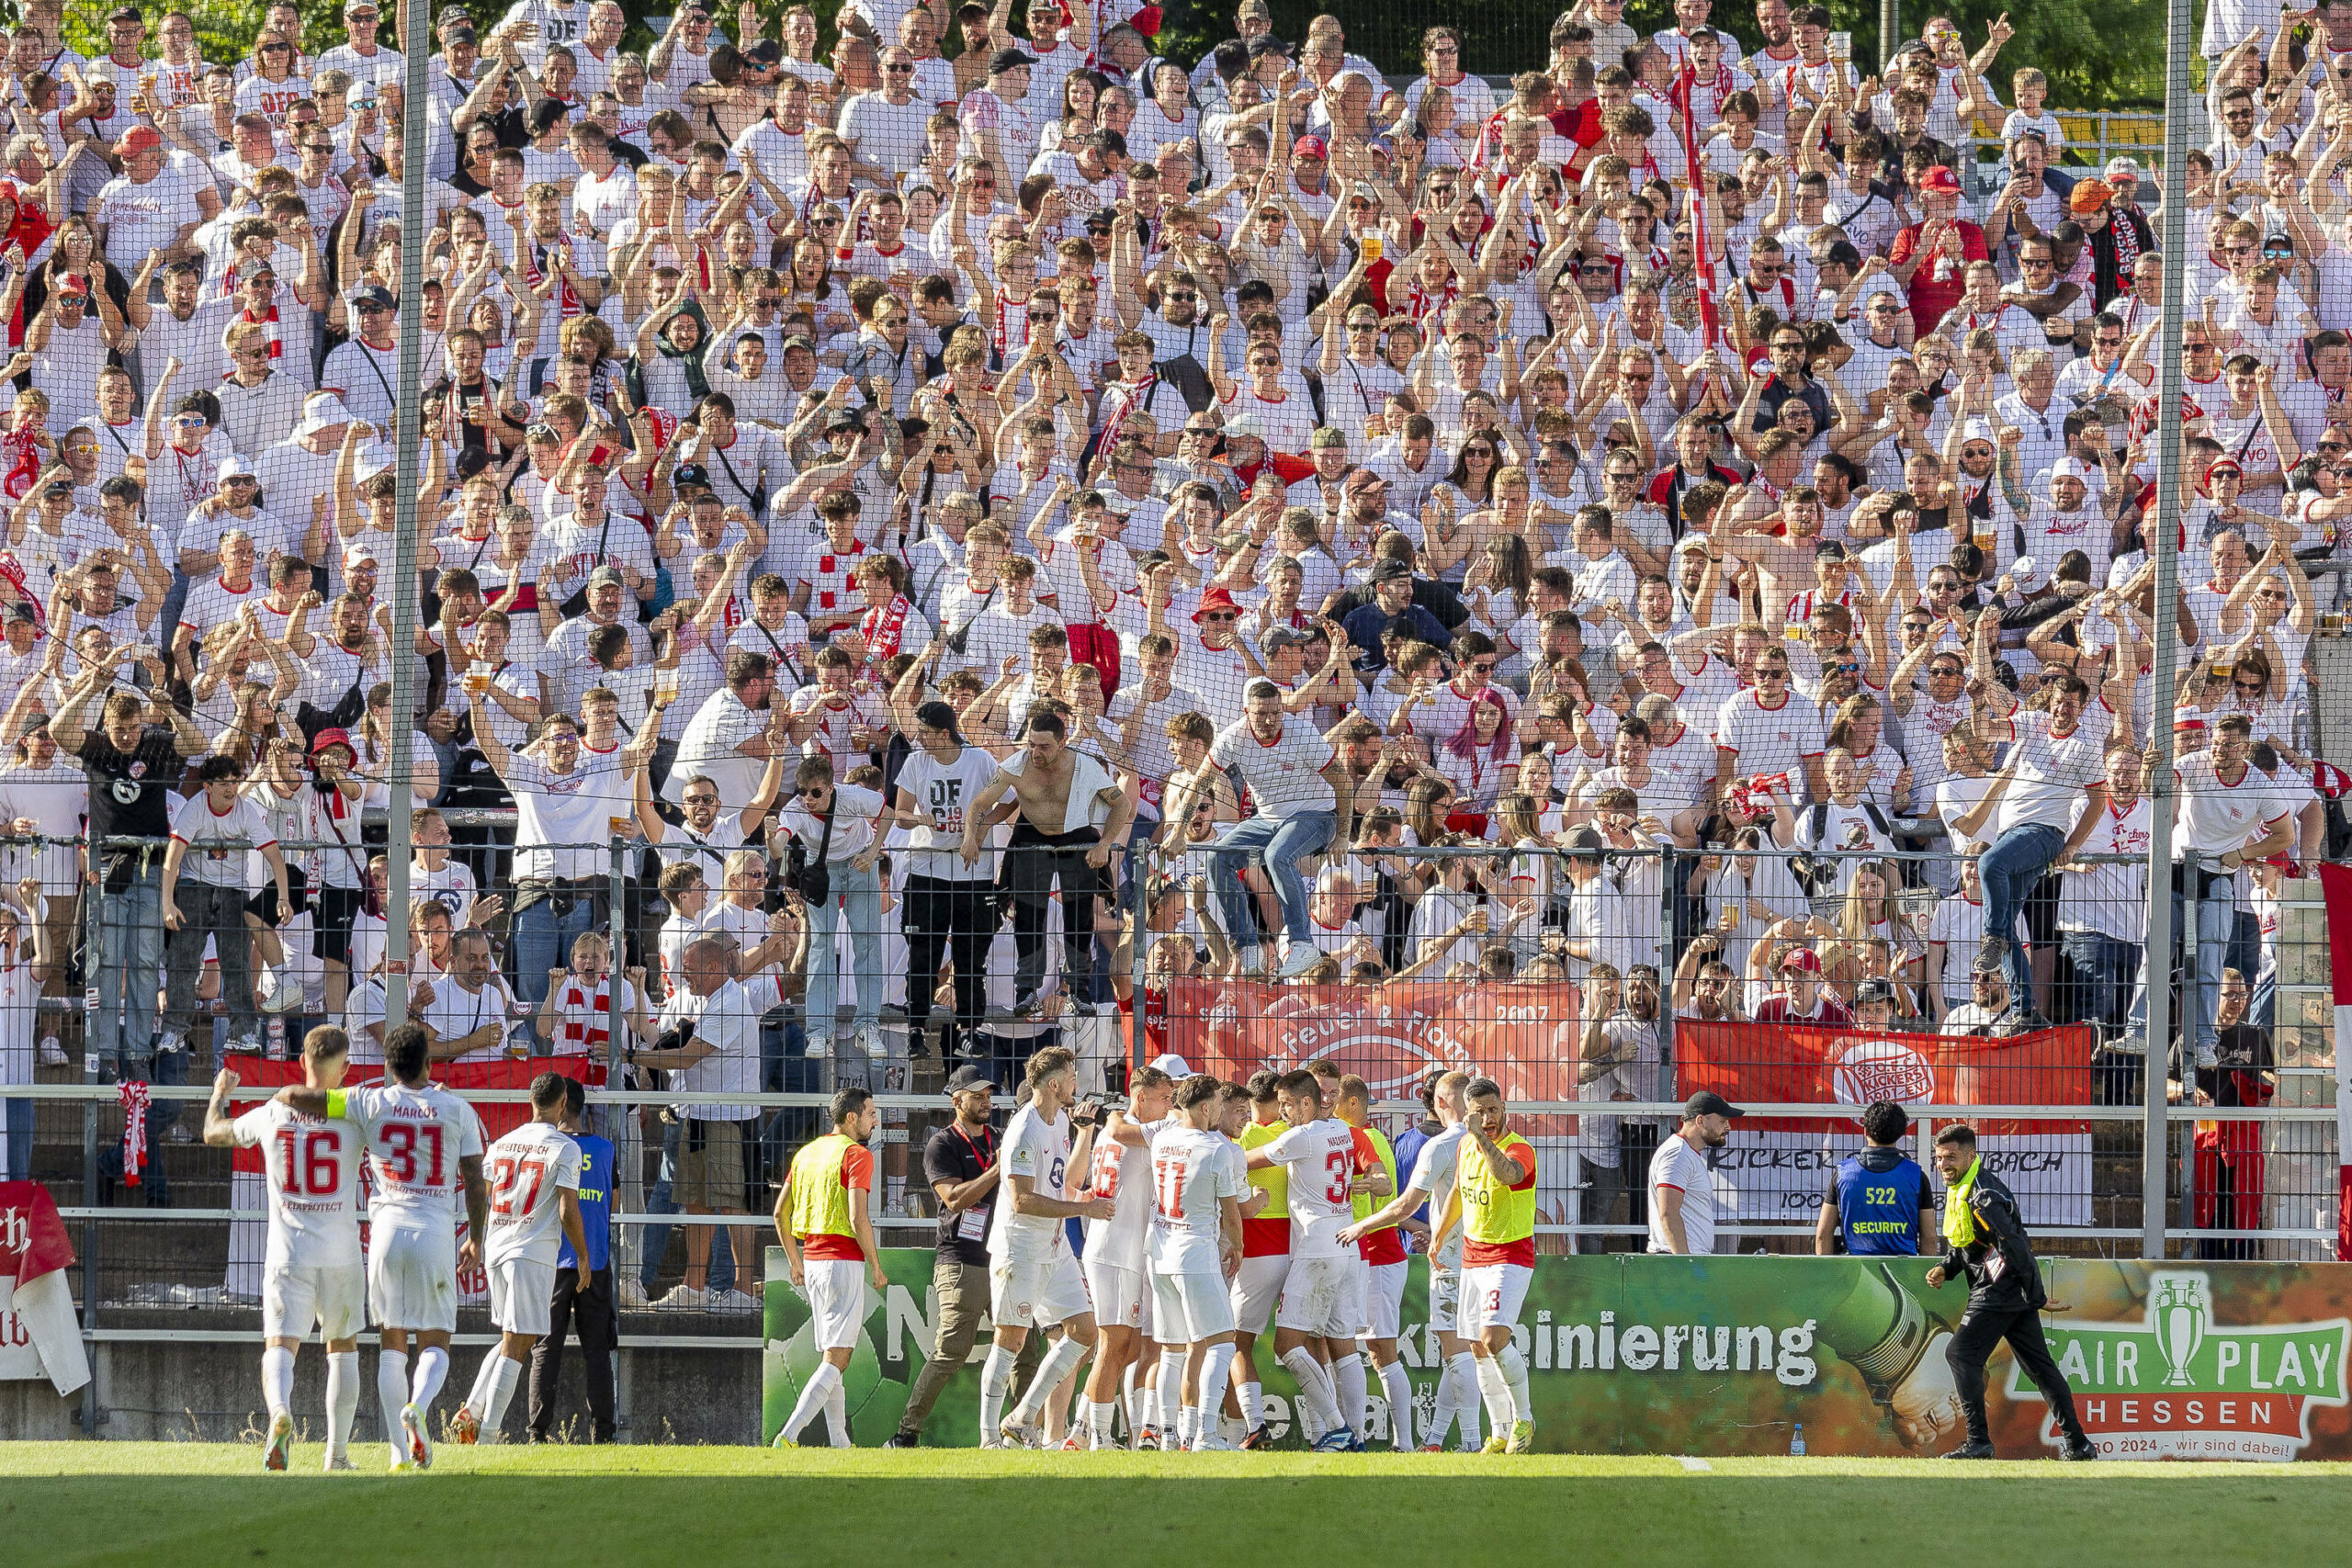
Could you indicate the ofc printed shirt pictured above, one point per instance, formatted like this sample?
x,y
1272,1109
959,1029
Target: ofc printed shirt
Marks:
x,y
311,1164
1038,1150
1193,1172
528,1172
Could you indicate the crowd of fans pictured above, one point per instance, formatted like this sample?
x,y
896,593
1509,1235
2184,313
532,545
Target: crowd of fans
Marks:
x,y
896,487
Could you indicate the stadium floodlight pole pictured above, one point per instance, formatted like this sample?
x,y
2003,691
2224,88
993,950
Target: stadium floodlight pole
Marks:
x,y
407,443
2163,547
1890,26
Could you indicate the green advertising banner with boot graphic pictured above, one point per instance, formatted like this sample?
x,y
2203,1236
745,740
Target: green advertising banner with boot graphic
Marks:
x,y
1729,1354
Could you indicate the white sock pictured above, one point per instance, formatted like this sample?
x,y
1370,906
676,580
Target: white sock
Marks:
x,y
995,1377
432,1371
485,1378
1495,1390
837,1417
1514,1366
1466,1393
1314,1387
391,1393
1231,1428
342,1401
1217,1365
1188,1425
813,1395
277,1380
1100,1415
1398,1391
1170,1388
1141,1402
1059,1363
1253,1396
503,1379
1348,1391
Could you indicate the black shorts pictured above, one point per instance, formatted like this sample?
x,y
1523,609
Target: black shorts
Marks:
x,y
264,903
338,907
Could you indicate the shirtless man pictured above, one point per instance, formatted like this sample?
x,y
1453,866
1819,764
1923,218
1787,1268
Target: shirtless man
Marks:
x,y
1059,792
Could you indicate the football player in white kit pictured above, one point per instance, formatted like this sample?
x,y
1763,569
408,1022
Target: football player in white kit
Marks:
x,y
1033,1279
425,1145
1197,1180
1115,1278
1322,1306
1431,1183
534,1177
314,1273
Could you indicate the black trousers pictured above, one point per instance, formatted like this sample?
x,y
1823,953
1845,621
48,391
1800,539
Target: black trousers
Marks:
x,y
599,1327
946,917
1031,862
1981,1328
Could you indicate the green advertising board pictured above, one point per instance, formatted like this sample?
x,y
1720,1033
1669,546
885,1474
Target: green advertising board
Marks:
x,y
1728,1355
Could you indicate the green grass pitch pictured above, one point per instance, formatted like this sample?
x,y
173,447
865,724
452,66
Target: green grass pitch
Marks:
x,y
193,1504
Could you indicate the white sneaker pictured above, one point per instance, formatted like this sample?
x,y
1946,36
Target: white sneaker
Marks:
x,y
170,1040
52,1054
1298,957
244,1045
818,1047
734,1302
2206,1058
633,1294
893,1210
869,1040
685,1298
277,996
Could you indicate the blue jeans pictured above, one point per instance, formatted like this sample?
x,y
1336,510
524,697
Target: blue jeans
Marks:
x,y
20,1140
857,897
131,931
1278,843
2216,920
2009,869
543,940
2104,971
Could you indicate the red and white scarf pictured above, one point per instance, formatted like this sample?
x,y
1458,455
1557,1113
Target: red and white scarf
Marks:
x,y
583,1020
567,298
881,628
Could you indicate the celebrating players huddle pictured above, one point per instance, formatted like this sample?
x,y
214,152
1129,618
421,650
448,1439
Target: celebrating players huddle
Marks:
x,y
425,1155
1210,1211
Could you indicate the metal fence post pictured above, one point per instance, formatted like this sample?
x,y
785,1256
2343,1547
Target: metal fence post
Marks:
x,y
1139,1037
94,961
617,894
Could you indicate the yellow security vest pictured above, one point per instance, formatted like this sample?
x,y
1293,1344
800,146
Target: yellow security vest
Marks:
x,y
1491,1212
819,1197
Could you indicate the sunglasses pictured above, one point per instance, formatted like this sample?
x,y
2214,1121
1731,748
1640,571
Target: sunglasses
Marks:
x,y
1210,620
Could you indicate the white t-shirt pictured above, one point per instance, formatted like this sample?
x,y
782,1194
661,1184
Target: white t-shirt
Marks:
x,y
1322,1157
416,1138
313,1168
1677,1165
729,1024
1284,776
942,791
1433,1172
526,1170
1039,1150
216,840
554,809
1193,1172
1121,1173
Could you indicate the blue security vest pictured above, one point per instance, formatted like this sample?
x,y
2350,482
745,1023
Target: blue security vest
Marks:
x,y
595,1204
1878,1203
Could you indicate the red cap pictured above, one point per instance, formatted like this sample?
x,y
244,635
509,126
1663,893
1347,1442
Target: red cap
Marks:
x,y
1310,147
326,737
2188,721
1939,180
1216,599
138,139
1803,960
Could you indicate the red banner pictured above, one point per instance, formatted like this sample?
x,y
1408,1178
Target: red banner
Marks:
x,y
265,1077
1851,1065
1525,1037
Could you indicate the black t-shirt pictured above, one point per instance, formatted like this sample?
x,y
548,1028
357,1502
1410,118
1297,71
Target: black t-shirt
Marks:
x,y
955,1154
131,790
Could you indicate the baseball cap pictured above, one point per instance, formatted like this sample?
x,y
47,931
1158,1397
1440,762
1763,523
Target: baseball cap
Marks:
x,y
138,139
1328,435
2072,468
374,295
1005,60
1803,960
354,7
690,474
57,487
360,552
125,13
1939,179
966,1078
606,574
1283,637
1175,1067
766,52
19,611
232,467
1310,147
2088,195
845,419
1873,991
1390,570
1706,1102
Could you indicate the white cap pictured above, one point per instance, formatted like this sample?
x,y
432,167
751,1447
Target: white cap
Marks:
x,y
232,466
1175,1067
2069,468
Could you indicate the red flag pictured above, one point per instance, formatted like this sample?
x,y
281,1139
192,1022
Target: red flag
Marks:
x,y
2335,885
1710,320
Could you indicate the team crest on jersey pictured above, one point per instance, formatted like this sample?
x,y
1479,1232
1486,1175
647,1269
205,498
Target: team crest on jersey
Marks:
x,y
138,770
